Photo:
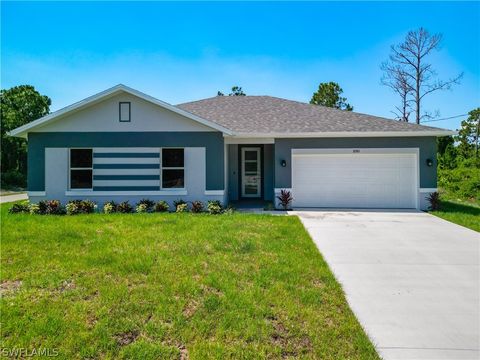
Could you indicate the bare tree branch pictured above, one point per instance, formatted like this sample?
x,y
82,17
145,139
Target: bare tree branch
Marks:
x,y
409,75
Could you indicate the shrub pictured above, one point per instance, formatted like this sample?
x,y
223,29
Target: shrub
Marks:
x,y
110,207
285,198
72,207
434,200
13,178
197,206
141,208
54,207
124,207
462,183
181,208
42,207
20,208
161,206
214,207
149,204
178,202
75,207
34,209
229,210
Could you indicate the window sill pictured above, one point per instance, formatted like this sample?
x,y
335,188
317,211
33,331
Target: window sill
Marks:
x,y
176,192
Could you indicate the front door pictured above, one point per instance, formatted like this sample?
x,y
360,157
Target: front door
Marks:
x,y
251,172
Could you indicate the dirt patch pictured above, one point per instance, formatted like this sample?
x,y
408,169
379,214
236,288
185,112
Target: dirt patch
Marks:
x,y
292,346
191,308
126,338
210,290
183,351
67,285
318,283
9,287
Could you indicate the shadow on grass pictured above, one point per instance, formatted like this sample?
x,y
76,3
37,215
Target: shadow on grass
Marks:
x,y
451,207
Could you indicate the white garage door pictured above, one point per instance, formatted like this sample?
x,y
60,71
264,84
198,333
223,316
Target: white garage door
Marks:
x,y
339,179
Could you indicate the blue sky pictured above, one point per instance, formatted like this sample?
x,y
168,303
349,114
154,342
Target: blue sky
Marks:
x,y
183,51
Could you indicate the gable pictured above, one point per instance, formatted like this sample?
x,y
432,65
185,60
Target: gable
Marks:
x,y
104,117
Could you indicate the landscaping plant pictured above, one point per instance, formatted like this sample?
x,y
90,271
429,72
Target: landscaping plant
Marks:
x,y
434,200
214,207
197,206
149,204
20,208
141,208
181,208
124,207
285,198
161,206
110,207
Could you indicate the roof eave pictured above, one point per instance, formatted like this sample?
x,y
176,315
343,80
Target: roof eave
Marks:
x,y
340,134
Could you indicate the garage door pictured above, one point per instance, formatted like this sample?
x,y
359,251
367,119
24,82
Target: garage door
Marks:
x,y
357,179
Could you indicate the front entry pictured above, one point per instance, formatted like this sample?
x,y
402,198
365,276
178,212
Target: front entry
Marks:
x,y
251,177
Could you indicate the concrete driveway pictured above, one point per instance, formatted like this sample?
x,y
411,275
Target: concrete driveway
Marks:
x,y
411,278
12,198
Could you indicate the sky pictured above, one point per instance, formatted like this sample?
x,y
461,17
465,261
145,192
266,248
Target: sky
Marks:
x,y
186,51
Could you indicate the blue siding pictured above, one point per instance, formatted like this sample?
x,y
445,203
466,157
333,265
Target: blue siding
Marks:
x,y
126,155
126,166
212,141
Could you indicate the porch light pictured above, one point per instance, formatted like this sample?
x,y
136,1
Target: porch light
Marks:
x,y
283,163
429,162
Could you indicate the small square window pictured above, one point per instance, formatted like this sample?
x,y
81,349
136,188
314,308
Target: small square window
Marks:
x,y
125,111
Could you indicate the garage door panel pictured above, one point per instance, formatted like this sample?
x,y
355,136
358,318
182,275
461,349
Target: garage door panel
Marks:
x,y
354,180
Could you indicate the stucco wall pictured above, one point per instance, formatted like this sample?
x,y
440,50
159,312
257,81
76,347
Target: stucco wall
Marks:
x,y
427,149
104,116
211,141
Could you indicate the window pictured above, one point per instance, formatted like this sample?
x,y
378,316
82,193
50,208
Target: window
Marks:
x,y
124,111
80,168
173,170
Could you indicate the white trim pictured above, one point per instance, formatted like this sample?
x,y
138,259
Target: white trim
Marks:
x,y
113,193
278,190
22,131
315,151
215,192
427,190
37,193
345,134
248,140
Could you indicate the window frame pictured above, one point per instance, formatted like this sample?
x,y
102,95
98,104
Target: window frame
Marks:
x,y
70,168
120,111
172,168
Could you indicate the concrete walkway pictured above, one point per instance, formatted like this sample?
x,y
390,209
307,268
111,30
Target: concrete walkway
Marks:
x,y
12,198
411,278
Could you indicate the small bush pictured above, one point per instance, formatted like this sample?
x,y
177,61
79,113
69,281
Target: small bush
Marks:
x,y
75,207
229,210
34,209
54,207
181,208
285,198
20,208
42,207
197,206
141,208
214,207
149,204
161,206
110,207
124,207
434,200
178,202
13,178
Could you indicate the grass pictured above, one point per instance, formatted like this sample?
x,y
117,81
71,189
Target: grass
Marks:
x,y
149,286
462,213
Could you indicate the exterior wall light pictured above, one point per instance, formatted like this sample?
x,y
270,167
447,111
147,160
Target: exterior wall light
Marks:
x,y
283,163
429,162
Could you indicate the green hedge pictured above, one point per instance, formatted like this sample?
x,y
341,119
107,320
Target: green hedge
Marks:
x,y
462,183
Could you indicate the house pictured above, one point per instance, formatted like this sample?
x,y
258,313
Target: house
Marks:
x,y
122,144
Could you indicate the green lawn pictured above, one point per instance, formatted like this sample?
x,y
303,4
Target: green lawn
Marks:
x,y
461,213
149,286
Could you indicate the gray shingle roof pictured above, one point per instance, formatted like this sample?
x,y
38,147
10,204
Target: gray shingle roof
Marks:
x,y
266,114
